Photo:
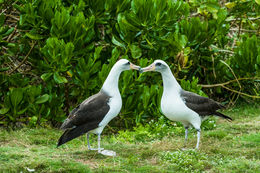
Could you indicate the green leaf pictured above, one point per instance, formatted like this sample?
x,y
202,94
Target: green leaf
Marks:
x,y
115,53
10,45
21,111
11,117
46,76
97,52
9,31
258,2
258,58
33,120
42,99
230,4
117,42
135,51
221,15
16,96
3,29
67,53
22,19
183,41
4,110
2,19
34,36
59,79
4,69
3,122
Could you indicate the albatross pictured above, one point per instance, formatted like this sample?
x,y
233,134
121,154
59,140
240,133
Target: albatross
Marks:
x,y
94,113
183,106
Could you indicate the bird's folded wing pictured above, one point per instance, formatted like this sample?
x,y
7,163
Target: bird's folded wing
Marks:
x,y
91,110
199,104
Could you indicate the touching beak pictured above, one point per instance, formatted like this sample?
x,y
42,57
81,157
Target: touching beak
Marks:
x,y
135,67
148,68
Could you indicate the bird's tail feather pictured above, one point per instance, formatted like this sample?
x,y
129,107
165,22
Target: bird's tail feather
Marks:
x,y
73,133
223,116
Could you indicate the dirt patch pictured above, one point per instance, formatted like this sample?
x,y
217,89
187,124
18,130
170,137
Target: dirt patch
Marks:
x,y
92,164
250,123
165,145
153,161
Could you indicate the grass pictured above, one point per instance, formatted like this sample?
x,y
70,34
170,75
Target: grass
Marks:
x,y
229,147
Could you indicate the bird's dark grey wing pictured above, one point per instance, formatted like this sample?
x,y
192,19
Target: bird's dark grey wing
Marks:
x,y
67,122
85,117
91,110
73,133
202,105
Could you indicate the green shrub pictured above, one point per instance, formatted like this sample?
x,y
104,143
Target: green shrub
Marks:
x,y
55,53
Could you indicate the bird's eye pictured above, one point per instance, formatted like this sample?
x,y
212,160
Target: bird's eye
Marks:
x,y
158,64
128,63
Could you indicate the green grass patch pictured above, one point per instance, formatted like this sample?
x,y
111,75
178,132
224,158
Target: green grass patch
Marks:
x,y
155,147
219,134
254,138
185,161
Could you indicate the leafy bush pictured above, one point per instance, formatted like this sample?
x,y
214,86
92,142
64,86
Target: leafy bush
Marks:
x,y
56,53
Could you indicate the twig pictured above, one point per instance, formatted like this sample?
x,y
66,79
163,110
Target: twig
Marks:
x,y
238,92
231,72
239,28
213,65
111,129
236,98
250,18
222,50
11,35
235,91
194,14
23,61
234,43
226,51
11,21
228,82
9,7
66,98
243,30
13,17
232,95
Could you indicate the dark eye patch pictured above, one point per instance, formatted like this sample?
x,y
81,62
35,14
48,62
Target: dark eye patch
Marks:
x,y
128,63
158,64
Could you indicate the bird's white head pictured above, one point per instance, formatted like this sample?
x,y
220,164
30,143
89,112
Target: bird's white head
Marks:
x,y
157,65
110,85
124,64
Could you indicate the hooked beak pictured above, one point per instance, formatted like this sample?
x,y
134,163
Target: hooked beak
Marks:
x,y
135,67
148,68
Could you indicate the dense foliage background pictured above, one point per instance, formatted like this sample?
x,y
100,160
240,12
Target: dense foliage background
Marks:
x,y
56,53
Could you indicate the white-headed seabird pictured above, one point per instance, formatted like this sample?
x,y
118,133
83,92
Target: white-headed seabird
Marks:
x,y
93,114
183,106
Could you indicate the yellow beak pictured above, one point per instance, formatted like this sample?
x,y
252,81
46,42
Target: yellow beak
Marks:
x,y
148,68
134,67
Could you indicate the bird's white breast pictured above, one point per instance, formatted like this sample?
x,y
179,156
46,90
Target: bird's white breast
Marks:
x,y
115,104
174,108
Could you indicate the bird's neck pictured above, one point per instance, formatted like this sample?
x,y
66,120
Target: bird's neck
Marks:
x,y
170,84
110,85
